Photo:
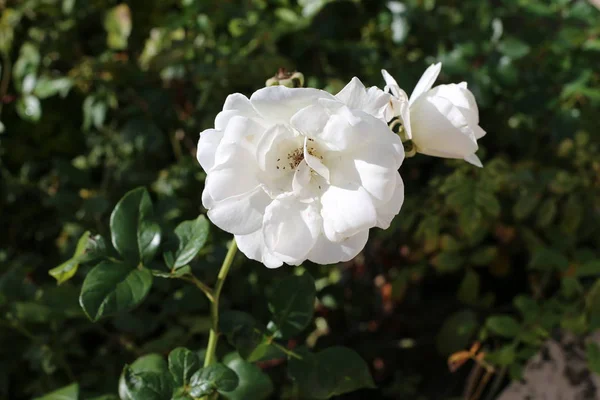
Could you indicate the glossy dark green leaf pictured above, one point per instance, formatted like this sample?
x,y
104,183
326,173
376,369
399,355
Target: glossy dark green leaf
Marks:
x,y
70,392
192,235
253,382
292,305
503,325
148,363
112,287
134,233
183,363
244,333
147,385
331,372
67,270
215,377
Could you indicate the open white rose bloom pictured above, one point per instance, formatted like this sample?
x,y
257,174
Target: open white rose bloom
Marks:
x,y
300,174
441,122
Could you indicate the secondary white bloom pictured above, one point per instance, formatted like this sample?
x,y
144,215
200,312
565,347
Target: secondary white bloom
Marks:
x,y
299,174
443,121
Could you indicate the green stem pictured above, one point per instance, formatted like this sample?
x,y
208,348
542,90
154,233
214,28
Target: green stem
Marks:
x,y
287,351
213,337
200,285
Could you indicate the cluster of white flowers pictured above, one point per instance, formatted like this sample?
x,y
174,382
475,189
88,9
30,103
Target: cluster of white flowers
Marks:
x,y
299,174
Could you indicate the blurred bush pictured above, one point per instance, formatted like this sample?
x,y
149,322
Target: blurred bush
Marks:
x,y
98,97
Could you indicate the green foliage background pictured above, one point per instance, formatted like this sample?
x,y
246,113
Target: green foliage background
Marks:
x,y
98,97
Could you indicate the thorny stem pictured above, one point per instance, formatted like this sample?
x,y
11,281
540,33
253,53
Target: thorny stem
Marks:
x,y
214,309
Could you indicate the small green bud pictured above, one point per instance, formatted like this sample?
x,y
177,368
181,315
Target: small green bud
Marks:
x,y
284,78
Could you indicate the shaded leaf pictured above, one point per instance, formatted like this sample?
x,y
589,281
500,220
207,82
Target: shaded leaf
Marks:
x,y
331,372
215,377
112,287
192,235
253,382
70,392
292,304
183,363
503,325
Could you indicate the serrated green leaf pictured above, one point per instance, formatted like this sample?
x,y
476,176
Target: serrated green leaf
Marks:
x,y
133,232
331,372
192,235
148,363
503,325
67,270
253,382
70,392
146,385
292,305
215,377
183,363
112,287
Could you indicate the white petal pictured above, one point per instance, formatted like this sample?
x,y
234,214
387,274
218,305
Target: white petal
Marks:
x,y
310,120
207,147
236,179
473,159
462,98
377,179
386,212
439,127
278,104
253,247
346,212
269,147
426,81
238,137
240,214
301,179
315,163
373,101
390,83
291,229
235,105
328,252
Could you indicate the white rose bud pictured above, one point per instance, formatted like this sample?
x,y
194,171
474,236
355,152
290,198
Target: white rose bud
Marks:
x,y
441,122
298,174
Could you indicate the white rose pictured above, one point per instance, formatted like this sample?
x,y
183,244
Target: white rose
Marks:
x,y
297,174
443,121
